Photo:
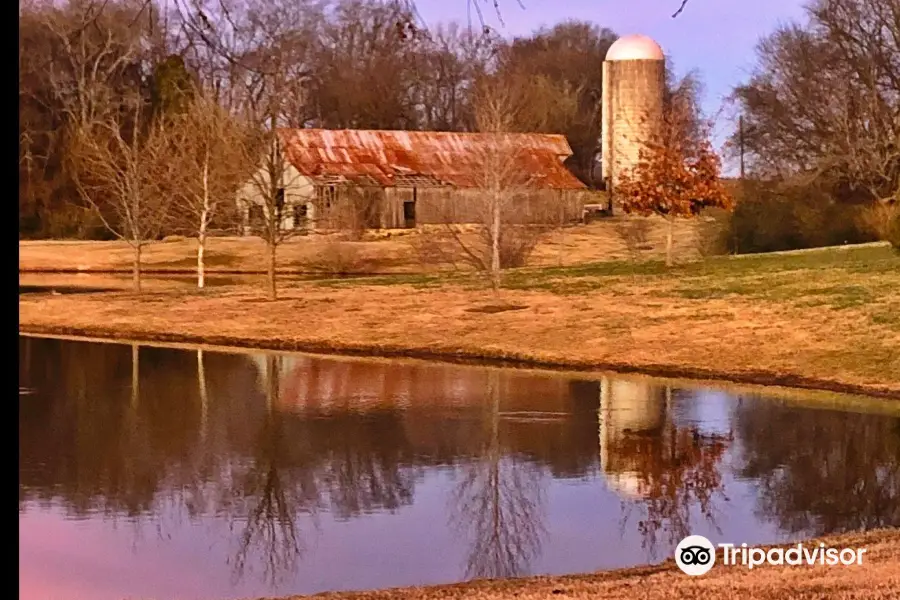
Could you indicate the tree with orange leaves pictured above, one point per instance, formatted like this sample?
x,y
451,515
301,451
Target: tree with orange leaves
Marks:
x,y
677,175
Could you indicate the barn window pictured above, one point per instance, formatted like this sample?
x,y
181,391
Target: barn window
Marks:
x,y
256,217
327,196
301,213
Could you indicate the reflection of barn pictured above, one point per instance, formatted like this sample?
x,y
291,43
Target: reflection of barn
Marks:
x,y
318,385
627,408
447,410
400,179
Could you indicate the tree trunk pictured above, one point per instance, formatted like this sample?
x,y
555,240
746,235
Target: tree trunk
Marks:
x,y
495,242
136,269
273,290
669,235
201,234
201,248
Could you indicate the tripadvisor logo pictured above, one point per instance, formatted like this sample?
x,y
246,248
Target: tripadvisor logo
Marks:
x,y
696,555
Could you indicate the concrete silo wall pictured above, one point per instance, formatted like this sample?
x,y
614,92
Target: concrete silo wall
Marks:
x,y
633,93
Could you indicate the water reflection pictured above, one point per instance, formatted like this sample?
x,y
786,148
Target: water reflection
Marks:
x,y
819,471
498,502
301,474
663,470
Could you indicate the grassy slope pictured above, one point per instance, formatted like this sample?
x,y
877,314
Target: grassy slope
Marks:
x,y
878,578
828,319
379,252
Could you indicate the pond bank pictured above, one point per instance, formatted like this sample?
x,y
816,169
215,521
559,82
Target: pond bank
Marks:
x,y
827,320
484,356
878,578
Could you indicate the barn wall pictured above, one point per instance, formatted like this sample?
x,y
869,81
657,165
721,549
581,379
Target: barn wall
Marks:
x,y
365,207
449,205
298,190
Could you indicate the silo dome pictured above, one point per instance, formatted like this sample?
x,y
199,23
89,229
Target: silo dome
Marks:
x,y
635,47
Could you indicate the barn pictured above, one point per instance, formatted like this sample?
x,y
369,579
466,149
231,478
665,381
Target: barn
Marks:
x,y
333,179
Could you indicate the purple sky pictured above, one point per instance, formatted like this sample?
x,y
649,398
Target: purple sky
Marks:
x,y
716,37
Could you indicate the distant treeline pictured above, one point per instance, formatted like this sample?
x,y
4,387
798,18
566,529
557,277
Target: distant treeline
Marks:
x,y
820,111
341,64
821,130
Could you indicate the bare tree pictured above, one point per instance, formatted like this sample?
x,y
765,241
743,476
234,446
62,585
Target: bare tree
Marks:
x,y
507,207
503,175
210,166
498,6
119,171
78,62
271,76
453,60
367,67
267,196
822,106
98,54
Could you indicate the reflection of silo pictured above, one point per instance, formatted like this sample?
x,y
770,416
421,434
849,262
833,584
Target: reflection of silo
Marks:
x,y
634,81
635,407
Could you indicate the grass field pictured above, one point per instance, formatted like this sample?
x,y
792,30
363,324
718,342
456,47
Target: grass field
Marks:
x,y
378,252
827,319
878,578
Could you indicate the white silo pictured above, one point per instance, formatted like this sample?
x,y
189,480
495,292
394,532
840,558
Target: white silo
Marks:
x,y
634,83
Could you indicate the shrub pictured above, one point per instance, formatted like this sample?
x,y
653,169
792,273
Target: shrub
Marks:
x,y
771,217
457,245
336,257
893,232
635,234
517,242
879,219
712,234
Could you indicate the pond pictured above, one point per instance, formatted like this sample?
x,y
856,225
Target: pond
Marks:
x,y
175,473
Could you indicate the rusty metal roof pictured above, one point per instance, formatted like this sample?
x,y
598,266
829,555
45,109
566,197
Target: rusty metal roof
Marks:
x,y
398,157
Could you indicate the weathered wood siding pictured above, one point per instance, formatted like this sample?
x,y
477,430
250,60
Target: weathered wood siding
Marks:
x,y
449,205
349,207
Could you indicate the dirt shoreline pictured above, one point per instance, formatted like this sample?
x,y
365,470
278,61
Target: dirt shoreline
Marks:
x,y
150,272
471,356
878,578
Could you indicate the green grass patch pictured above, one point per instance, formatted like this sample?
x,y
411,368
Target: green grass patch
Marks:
x,y
415,280
796,278
886,317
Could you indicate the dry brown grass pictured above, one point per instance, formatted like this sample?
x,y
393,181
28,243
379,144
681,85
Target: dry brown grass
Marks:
x,y
788,321
878,578
377,252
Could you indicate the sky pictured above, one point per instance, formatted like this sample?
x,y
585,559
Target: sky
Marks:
x,y
715,37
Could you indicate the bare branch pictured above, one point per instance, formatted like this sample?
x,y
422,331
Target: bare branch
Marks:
x,y
680,8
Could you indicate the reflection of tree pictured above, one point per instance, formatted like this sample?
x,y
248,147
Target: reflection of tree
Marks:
x,y
821,471
664,471
499,501
676,471
300,462
365,471
271,502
